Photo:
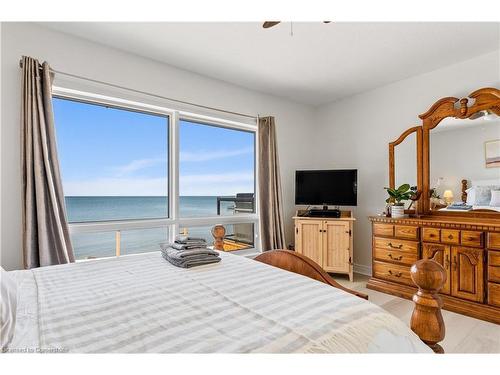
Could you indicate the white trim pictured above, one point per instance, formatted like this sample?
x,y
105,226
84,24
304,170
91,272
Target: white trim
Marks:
x,y
362,269
189,116
104,99
174,220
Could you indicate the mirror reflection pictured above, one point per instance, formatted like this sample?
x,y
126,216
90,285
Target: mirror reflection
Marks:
x,y
466,150
405,165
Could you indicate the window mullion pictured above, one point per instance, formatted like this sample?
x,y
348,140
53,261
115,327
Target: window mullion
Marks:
x,y
174,174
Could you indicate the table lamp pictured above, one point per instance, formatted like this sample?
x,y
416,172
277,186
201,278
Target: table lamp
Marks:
x,y
448,197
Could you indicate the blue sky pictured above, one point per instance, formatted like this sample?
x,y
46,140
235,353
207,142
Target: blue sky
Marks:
x,y
107,151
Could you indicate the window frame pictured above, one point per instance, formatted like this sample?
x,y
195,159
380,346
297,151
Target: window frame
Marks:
x,y
174,221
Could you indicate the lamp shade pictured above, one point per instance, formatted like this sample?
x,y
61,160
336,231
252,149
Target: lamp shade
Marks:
x,y
448,194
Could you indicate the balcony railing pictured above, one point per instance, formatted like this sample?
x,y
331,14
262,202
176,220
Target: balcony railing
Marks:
x,y
242,226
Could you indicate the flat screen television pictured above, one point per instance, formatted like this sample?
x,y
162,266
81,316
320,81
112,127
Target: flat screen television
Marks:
x,y
335,187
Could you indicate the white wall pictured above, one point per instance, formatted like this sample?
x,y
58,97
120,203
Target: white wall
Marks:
x,y
351,133
354,132
78,56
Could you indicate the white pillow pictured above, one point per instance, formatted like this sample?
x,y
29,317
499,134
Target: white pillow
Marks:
x,y
495,198
8,304
471,196
483,195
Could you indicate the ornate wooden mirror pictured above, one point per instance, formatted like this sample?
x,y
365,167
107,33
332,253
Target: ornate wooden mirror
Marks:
x,y
461,155
405,159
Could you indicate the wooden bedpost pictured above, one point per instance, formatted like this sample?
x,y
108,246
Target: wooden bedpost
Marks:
x,y
426,320
464,191
219,232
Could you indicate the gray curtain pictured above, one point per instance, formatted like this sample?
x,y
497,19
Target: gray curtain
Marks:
x,y
45,229
270,201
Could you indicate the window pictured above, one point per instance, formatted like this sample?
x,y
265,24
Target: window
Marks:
x,y
114,162
134,175
217,170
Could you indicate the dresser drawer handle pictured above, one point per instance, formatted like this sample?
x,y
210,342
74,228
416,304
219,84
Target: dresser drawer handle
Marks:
x,y
395,258
450,237
396,274
447,262
400,246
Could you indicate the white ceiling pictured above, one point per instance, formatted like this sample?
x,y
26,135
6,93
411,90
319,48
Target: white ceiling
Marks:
x,y
318,64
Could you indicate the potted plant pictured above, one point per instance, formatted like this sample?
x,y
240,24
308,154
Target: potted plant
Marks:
x,y
396,199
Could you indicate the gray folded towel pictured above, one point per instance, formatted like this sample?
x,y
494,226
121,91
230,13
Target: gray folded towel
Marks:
x,y
189,240
190,261
189,258
183,246
188,253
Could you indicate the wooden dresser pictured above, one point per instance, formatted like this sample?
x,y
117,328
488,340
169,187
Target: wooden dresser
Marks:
x,y
327,241
467,248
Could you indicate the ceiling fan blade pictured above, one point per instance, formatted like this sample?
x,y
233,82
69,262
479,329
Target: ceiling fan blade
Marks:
x,y
268,24
327,21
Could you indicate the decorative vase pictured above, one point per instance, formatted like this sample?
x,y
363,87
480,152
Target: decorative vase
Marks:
x,y
397,211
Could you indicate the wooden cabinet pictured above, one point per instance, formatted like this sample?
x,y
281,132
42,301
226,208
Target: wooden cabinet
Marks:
x,y
450,236
336,246
309,239
441,254
326,241
469,252
467,273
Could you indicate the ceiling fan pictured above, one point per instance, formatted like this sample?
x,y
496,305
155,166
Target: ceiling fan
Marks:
x,y
269,24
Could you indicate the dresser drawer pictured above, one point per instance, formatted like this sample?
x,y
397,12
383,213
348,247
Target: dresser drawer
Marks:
x,y
494,294
472,239
383,230
392,272
431,234
405,231
494,241
395,244
450,236
494,266
395,256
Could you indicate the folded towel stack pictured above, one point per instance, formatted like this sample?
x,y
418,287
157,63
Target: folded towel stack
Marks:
x,y
187,252
459,206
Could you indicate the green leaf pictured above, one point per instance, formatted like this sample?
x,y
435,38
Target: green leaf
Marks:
x,y
404,188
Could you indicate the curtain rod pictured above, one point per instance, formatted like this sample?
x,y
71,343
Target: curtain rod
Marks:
x,y
145,93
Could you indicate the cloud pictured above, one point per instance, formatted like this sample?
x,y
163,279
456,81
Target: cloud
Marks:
x,y
136,165
203,184
204,155
216,184
118,186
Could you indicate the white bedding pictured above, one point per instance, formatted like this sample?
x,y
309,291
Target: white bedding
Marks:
x,y
143,304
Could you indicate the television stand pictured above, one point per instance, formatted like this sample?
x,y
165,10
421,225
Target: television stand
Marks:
x,y
326,239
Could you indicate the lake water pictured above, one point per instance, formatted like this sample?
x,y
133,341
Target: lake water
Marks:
x,y
84,209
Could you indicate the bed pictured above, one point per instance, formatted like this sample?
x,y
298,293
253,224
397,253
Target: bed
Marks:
x,y
141,303
480,196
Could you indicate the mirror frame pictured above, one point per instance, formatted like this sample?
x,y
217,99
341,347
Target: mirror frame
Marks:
x,y
484,99
418,130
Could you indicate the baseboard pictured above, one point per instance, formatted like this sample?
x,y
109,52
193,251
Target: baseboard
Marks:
x,y
362,269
